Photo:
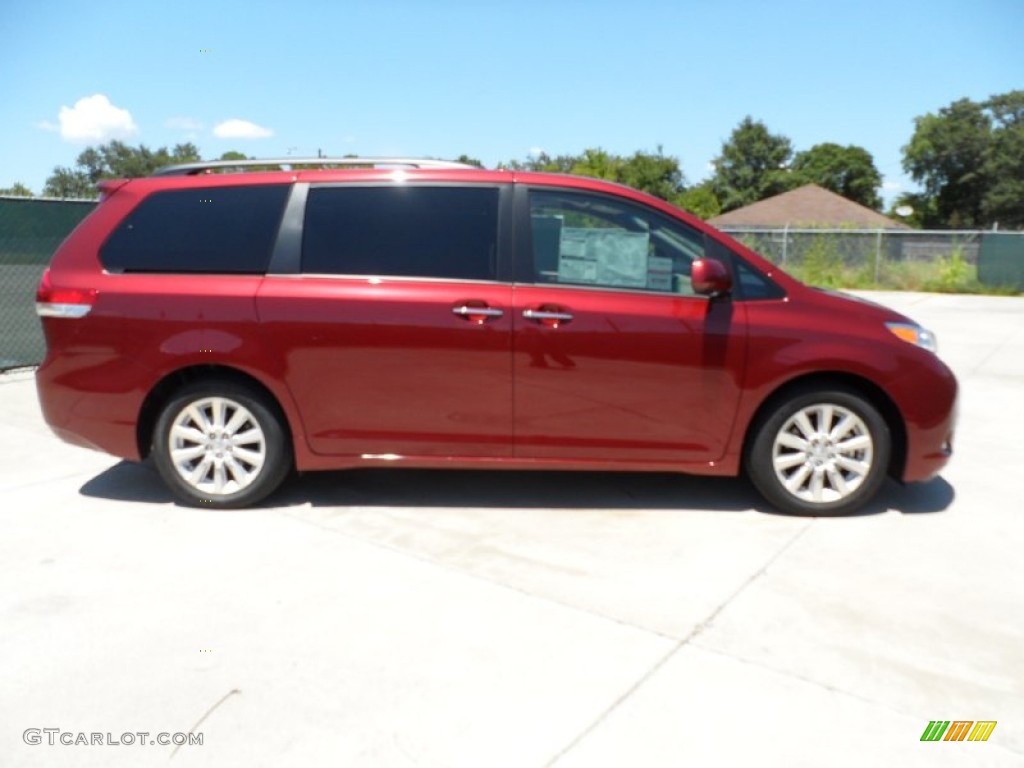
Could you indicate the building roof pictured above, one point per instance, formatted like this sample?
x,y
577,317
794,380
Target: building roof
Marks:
x,y
806,206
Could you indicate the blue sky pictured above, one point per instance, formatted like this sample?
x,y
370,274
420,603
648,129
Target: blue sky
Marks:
x,y
495,81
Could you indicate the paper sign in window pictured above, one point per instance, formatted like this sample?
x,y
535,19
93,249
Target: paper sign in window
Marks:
x,y
612,257
659,273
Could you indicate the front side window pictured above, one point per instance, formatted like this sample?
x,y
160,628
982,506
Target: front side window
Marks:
x,y
593,240
199,230
403,231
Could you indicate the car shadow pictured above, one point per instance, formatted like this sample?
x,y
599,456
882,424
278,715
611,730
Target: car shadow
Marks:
x,y
130,481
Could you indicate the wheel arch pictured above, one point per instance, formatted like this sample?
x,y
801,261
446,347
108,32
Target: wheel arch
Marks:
x,y
822,380
164,390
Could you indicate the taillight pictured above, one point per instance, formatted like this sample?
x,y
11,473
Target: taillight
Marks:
x,y
63,302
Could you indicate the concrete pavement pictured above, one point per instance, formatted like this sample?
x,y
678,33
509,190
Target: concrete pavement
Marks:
x,y
388,618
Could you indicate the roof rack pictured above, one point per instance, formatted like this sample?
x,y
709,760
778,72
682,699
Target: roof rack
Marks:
x,y
290,163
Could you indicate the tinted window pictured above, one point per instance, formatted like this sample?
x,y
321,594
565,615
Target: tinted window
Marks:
x,y
753,285
217,229
748,283
448,232
582,239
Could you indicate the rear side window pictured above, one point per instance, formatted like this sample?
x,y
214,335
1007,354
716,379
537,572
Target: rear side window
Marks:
x,y
404,231
217,229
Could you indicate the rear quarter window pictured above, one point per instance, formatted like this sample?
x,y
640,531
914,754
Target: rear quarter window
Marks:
x,y
214,229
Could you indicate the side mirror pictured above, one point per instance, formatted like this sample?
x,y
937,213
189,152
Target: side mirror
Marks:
x,y
709,277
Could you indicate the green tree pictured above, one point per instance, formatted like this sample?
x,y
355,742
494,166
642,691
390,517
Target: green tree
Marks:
x,y
701,201
847,171
467,160
598,164
69,183
1003,202
544,163
947,155
115,160
753,165
16,190
656,173
233,155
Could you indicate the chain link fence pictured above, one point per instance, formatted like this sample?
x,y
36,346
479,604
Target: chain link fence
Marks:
x,y
946,260
30,231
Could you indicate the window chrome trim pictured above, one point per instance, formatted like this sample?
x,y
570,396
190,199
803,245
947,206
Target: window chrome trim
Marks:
x,y
610,289
382,279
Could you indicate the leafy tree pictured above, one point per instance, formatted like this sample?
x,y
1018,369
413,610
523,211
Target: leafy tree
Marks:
x,y
753,165
969,159
652,172
69,182
233,155
544,163
947,155
16,190
701,201
598,164
847,171
1004,162
115,160
467,160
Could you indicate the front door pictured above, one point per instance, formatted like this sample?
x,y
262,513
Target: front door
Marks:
x,y
615,358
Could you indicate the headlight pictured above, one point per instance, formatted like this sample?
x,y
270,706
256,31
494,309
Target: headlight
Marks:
x,y
914,334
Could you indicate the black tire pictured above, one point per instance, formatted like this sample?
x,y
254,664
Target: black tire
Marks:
x,y
253,459
837,471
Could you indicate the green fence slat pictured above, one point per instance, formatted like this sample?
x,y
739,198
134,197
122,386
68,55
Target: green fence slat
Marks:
x,y
30,231
1001,261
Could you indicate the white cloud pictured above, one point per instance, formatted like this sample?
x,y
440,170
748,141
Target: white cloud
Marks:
x,y
241,129
535,151
46,125
94,118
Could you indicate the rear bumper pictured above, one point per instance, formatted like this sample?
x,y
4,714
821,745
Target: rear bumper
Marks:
x,y
85,407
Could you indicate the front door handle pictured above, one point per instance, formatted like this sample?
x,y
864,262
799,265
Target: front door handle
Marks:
x,y
551,318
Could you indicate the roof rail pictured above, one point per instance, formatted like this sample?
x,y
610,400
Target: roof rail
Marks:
x,y
290,163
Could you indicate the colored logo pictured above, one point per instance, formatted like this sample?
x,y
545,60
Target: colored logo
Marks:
x,y
959,730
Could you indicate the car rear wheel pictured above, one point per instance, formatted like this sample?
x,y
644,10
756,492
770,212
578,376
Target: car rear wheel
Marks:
x,y
221,444
820,452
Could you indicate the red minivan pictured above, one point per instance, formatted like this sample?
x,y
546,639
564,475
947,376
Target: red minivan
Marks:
x,y
234,323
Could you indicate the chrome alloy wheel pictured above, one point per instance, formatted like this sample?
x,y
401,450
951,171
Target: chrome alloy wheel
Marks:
x,y
217,446
823,453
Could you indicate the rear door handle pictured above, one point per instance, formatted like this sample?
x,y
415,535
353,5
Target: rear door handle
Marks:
x,y
478,314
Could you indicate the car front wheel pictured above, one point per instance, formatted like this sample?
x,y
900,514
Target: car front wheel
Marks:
x,y
820,452
221,444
